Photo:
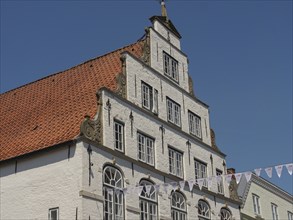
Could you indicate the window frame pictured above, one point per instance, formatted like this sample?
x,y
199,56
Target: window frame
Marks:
x,y
176,171
202,164
290,215
169,64
256,204
145,147
172,112
275,213
120,123
50,214
220,185
225,217
181,212
112,194
152,96
194,124
200,216
149,202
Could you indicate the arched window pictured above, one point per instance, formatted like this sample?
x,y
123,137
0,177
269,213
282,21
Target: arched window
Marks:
x,y
226,214
178,206
148,201
113,194
204,211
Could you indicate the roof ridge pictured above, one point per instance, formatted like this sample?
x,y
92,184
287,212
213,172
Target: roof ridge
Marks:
x,y
87,61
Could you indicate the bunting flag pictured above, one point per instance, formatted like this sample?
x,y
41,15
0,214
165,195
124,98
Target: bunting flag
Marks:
x,y
125,190
289,167
157,187
269,171
148,189
210,181
219,179
228,178
182,184
257,171
190,184
238,177
138,190
165,187
174,185
200,183
248,176
279,169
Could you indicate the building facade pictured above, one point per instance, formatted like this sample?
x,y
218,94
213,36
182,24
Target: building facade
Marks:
x,y
121,136
263,200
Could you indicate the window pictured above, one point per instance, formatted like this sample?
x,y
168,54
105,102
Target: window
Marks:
x,y
173,112
226,214
256,207
175,163
204,211
275,211
145,148
149,97
54,214
178,206
148,201
220,183
194,124
171,67
119,135
201,171
113,195
290,215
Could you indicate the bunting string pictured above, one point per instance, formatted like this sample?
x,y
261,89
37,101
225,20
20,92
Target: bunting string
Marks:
x,y
207,182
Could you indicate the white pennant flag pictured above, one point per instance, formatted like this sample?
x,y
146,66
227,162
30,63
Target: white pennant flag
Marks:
x,y
124,190
148,189
210,181
138,190
238,177
174,185
257,171
228,178
157,188
182,184
219,179
110,191
248,176
279,169
118,191
190,184
289,167
200,183
165,187
269,171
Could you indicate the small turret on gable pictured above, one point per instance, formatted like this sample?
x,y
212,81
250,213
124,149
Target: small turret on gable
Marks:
x,y
164,26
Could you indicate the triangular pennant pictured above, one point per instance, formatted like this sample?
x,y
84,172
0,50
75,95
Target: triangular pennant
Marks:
x,y
257,171
182,184
247,176
124,190
174,185
269,171
110,191
190,184
279,169
117,191
219,179
200,183
157,188
289,167
228,178
238,177
148,189
138,190
210,181
165,187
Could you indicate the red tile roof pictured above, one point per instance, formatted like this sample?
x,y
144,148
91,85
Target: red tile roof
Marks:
x,y
49,111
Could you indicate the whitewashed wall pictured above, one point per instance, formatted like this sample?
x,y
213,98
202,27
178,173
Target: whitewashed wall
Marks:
x,y
42,181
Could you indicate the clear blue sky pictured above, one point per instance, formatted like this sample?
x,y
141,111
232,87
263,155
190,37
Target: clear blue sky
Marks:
x,y
240,55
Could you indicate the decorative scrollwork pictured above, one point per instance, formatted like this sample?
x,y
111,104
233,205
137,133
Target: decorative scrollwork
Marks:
x,y
146,48
92,129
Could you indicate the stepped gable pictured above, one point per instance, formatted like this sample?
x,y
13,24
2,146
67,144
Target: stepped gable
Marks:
x,y
49,111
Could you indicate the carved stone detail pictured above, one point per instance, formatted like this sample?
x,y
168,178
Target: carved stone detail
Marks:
x,y
121,79
233,189
190,85
93,129
146,56
213,139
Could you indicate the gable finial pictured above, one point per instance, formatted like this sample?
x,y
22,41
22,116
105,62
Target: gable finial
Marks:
x,y
164,10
